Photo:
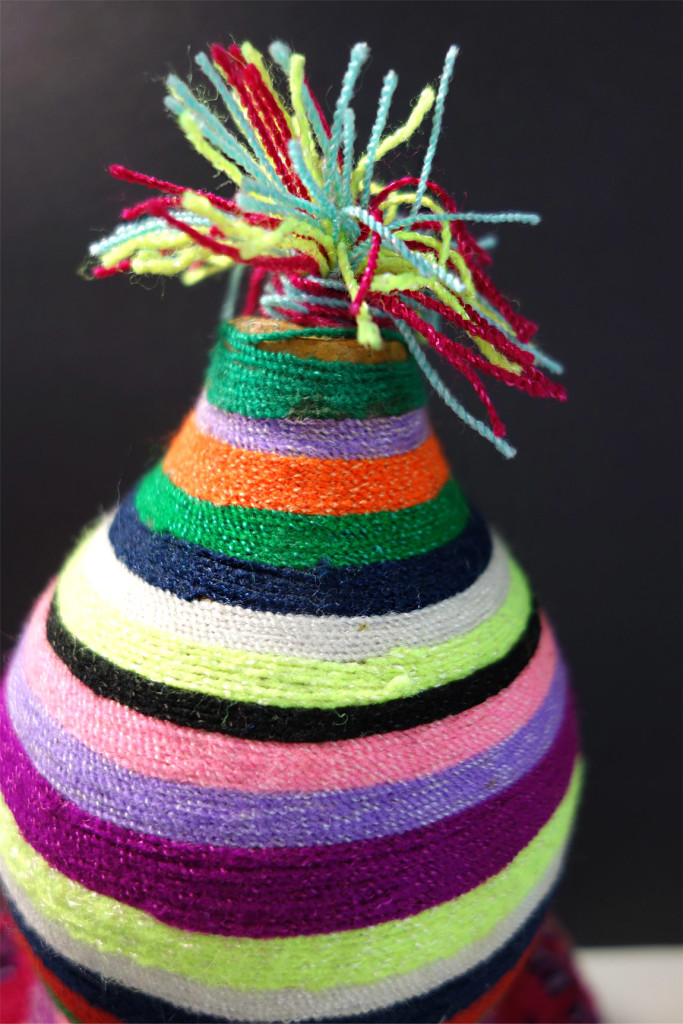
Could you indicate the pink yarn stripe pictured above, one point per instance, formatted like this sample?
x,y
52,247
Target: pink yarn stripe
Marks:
x,y
162,750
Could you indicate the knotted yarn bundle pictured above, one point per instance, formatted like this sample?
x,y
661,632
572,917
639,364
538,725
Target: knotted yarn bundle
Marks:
x,y
288,738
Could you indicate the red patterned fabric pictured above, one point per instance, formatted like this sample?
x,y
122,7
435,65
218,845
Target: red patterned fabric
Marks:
x,y
548,990
23,997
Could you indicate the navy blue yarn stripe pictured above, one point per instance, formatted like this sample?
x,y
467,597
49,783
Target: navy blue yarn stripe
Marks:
x,y
191,572
132,1006
284,724
451,997
103,993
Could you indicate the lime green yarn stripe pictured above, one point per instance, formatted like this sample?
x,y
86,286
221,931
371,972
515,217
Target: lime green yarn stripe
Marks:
x,y
315,962
259,383
296,540
286,681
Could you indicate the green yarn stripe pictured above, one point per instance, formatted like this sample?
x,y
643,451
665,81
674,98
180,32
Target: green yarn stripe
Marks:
x,y
60,1005
283,680
299,541
254,382
361,956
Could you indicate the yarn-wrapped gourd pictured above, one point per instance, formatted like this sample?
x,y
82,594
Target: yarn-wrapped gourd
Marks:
x,y
288,738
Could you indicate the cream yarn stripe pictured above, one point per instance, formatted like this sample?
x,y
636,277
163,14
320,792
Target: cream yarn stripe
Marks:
x,y
289,1003
314,962
280,679
326,638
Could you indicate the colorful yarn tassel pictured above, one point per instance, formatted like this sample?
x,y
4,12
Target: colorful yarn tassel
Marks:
x,y
288,738
329,244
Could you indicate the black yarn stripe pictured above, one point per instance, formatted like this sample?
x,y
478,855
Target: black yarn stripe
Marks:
x,y
132,1006
192,572
287,725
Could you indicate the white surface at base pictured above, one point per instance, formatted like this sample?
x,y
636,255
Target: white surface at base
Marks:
x,y
635,984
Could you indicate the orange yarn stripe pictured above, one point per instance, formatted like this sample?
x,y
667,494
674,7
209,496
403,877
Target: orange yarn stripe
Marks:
x,y
214,471
71,1001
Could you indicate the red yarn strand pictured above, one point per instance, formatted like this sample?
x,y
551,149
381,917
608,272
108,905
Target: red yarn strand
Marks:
x,y
369,272
456,354
136,178
254,291
120,268
232,64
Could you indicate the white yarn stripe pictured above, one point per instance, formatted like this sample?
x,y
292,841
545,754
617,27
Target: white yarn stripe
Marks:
x,y
283,1004
324,638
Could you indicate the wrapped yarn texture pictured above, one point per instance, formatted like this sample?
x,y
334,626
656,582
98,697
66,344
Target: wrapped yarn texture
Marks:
x,y
288,738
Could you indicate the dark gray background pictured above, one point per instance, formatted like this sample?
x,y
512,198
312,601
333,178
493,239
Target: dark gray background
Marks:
x,y
569,109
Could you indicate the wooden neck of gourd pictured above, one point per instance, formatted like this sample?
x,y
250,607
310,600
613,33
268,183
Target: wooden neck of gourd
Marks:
x,y
329,350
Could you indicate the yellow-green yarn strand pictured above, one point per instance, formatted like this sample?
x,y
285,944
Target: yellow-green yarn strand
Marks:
x,y
254,241
254,56
220,163
168,238
214,264
422,107
424,104
297,65
152,263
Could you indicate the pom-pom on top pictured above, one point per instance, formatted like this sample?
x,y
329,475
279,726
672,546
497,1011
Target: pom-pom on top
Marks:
x,y
327,243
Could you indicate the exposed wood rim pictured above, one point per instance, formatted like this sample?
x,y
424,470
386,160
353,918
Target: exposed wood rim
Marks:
x,y
330,350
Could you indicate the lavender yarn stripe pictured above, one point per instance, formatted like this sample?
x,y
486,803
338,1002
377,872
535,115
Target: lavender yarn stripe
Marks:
x,y
318,439
190,813
291,891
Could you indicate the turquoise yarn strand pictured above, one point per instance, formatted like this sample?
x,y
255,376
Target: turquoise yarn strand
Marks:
x,y
388,89
436,124
255,144
359,55
420,264
282,55
445,395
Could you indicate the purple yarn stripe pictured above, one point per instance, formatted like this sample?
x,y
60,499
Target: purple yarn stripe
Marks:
x,y
291,891
187,813
318,439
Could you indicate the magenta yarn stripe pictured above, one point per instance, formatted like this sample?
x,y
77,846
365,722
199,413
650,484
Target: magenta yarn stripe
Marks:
x,y
151,747
224,817
291,891
318,439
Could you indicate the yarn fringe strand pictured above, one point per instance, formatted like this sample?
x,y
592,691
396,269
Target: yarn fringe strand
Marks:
x,y
327,243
